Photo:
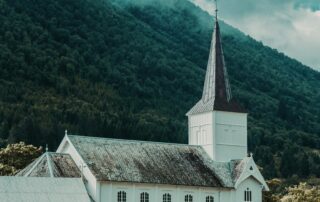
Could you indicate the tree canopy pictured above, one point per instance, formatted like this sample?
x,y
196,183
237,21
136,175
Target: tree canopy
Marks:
x,y
17,156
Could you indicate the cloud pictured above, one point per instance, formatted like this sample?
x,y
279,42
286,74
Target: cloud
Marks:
x,y
313,5
291,26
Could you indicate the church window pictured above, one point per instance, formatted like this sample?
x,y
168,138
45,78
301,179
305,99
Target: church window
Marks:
x,y
144,197
122,196
166,197
209,199
188,198
248,195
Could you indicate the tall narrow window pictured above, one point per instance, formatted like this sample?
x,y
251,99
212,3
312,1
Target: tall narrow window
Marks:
x,y
248,195
144,197
166,197
188,198
122,196
209,199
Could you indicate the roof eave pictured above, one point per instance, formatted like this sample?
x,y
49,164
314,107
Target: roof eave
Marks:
x,y
172,184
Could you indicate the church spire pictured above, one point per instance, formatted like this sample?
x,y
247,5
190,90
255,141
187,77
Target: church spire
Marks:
x,y
216,93
217,122
216,10
216,84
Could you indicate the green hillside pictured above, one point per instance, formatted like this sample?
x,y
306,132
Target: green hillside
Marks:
x,y
123,70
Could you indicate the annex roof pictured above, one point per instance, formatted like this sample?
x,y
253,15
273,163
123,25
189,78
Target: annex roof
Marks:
x,y
151,162
39,189
52,164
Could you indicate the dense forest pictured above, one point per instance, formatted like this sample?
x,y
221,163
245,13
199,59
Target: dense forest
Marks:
x,y
115,68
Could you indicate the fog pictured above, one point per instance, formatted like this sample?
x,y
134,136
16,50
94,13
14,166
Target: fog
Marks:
x,y
291,26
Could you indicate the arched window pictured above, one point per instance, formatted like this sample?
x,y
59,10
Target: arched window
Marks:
x,y
122,196
188,198
144,197
248,195
209,199
166,197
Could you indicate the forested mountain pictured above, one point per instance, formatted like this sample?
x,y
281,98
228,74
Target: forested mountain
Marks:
x,y
115,68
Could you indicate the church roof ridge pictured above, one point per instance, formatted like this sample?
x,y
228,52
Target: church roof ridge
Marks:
x,y
51,164
150,162
50,168
134,141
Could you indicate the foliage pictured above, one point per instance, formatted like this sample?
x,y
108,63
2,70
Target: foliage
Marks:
x,y
302,193
17,156
117,69
272,195
293,190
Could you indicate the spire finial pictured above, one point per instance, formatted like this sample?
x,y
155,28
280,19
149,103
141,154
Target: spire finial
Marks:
x,y
66,132
47,149
216,1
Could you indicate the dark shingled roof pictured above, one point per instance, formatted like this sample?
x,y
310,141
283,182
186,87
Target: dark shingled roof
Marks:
x,y
216,90
151,162
52,165
237,167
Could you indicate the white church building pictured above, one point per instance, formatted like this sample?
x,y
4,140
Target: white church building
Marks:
x,y
213,167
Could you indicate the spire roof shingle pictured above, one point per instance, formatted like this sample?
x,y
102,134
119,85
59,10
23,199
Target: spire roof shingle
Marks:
x,y
216,90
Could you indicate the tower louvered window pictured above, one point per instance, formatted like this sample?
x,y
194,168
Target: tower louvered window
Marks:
x,y
209,199
144,197
122,196
166,198
188,198
248,195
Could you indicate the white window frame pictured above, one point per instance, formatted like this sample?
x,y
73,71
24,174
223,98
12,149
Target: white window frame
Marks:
x,y
166,197
144,197
248,195
209,198
121,196
188,198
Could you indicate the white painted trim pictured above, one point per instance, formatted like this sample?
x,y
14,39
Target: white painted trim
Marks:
x,y
49,165
34,166
71,144
225,124
62,144
234,145
79,163
247,173
98,192
245,113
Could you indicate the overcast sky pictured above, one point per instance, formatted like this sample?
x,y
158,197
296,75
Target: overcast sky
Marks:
x,y
291,26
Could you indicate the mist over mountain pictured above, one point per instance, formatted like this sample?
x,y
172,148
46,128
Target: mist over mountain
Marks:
x,y
291,26
132,69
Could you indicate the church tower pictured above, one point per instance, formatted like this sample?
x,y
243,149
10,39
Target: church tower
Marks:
x,y
217,122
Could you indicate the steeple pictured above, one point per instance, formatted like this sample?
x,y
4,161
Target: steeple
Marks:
x,y
216,93
216,85
217,122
